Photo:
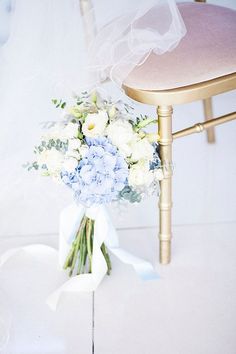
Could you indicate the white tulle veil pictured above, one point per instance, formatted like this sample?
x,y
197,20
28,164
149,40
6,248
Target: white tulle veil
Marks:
x,y
44,54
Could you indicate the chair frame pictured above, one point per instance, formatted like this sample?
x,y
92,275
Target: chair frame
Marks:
x,y
164,100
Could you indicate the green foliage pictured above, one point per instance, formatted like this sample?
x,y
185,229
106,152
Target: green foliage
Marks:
x,y
31,166
59,103
143,121
48,145
130,195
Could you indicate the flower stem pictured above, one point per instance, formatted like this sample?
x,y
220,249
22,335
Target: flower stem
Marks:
x,y
107,258
82,249
89,237
72,257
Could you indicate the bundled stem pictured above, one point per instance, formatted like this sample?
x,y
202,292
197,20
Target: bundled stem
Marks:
x,y
81,253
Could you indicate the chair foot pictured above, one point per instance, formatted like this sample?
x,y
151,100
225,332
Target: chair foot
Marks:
x,y
208,113
165,252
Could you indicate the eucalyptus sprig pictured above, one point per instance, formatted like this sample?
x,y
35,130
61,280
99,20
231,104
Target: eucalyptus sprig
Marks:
x,y
59,103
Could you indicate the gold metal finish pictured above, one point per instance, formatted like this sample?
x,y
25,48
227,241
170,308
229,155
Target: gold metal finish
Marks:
x,y
208,113
164,100
200,127
165,201
183,94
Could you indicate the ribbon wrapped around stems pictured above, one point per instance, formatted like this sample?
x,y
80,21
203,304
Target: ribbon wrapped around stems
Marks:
x,y
104,232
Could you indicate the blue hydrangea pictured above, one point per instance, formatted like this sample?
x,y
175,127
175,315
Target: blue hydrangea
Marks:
x,y
156,162
100,175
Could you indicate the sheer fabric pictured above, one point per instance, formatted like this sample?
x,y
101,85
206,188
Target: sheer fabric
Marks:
x,y
128,40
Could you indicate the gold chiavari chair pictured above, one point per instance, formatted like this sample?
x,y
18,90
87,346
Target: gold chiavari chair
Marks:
x,y
203,65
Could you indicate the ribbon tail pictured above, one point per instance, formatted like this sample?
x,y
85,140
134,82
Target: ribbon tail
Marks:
x,y
143,268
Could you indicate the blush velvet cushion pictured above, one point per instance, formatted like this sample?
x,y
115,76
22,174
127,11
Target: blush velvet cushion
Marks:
x,y
206,52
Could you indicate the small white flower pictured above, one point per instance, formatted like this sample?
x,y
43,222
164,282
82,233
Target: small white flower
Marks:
x,y
140,175
158,174
70,164
74,144
71,130
141,149
120,132
95,124
53,159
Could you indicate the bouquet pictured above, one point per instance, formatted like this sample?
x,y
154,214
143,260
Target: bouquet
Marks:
x,y
101,151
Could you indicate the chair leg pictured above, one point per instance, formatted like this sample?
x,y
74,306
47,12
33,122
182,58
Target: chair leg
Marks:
x,y
207,105
165,201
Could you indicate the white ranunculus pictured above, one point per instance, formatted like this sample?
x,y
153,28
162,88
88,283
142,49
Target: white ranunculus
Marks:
x,y
95,124
53,159
158,174
74,144
70,164
140,175
120,132
71,130
141,149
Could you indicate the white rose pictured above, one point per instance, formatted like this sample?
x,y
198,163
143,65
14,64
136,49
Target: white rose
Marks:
x,y
71,130
141,149
70,164
140,175
53,159
95,124
74,144
120,132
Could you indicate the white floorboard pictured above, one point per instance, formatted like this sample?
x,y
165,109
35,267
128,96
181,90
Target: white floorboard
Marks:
x,y
26,282
191,309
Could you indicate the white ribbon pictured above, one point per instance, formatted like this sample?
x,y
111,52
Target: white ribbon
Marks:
x,y
104,232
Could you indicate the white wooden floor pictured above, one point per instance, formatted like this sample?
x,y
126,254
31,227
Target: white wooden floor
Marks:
x,y
190,309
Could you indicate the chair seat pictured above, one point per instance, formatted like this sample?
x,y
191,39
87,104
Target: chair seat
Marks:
x,y
207,51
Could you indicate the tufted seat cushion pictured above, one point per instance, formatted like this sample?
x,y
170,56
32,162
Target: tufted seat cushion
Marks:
x,y
206,52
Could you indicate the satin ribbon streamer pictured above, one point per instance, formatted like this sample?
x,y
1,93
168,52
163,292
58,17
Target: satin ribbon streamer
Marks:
x,y
104,232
